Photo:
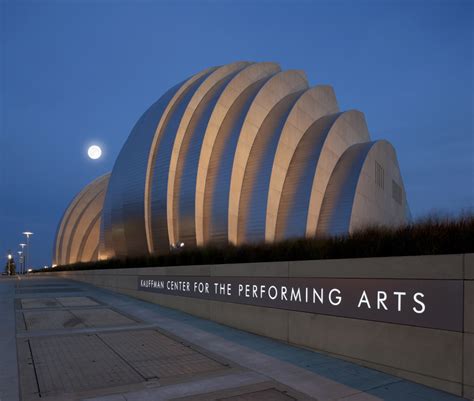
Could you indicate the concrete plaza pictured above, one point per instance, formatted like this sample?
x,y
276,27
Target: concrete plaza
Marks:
x,y
64,340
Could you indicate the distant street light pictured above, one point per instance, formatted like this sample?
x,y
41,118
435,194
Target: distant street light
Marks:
x,y
22,260
27,254
9,262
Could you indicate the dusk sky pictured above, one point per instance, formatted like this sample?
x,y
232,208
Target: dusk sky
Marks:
x,y
75,73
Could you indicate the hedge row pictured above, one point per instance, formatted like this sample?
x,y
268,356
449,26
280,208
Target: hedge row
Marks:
x,y
430,236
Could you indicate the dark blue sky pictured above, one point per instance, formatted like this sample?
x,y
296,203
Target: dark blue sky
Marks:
x,y
78,72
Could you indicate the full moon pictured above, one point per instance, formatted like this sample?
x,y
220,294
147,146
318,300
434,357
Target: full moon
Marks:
x,y
94,152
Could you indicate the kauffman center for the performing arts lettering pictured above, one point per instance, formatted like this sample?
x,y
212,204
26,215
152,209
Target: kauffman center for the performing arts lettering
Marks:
x,y
425,303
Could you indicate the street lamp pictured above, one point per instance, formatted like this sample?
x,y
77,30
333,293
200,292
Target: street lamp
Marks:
x,y
27,254
9,263
22,260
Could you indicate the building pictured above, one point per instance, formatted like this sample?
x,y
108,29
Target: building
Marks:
x,y
240,153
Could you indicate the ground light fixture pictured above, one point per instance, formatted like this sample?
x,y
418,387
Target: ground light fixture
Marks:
x,y
177,246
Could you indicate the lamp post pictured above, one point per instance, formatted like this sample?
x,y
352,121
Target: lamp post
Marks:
x,y
22,260
9,263
27,254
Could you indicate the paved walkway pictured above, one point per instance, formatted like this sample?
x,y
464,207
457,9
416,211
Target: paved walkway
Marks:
x,y
72,341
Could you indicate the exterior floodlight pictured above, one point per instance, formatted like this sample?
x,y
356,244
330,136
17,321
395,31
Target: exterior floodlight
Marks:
x,y
9,256
27,233
30,270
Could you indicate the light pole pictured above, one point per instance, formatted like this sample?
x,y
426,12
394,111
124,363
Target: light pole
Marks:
x,y
27,254
22,264
9,263
20,259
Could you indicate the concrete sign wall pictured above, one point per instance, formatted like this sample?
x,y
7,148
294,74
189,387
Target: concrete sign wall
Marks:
x,y
412,316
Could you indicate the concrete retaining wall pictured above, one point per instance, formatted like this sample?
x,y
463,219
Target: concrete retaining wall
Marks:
x,y
438,358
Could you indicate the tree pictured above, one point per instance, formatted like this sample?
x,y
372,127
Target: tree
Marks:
x,y
10,267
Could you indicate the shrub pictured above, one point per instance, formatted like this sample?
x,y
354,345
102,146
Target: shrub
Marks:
x,y
430,236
